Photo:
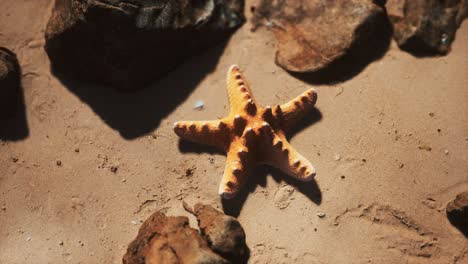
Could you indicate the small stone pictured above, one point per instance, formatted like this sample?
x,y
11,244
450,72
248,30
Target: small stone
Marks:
x,y
134,222
401,165
446,152
61,243
337,157
199,105
431,114
224,233
28,238
14,160
343,177
425,147
426,27
321,214
114,169
59,163
77,150
124,180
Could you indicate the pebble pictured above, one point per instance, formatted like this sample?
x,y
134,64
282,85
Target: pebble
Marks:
x,y
199,105
446,152
114,169
28,238
134,222
61,243
401,165
124,180
321,214
337,157
425,147
59,163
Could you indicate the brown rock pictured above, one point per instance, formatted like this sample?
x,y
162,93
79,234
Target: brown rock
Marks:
x,y
224,233
166,240
10,78
426,26
457,212
129,43
312,35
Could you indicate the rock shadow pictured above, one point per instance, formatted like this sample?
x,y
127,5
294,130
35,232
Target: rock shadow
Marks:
x,y
15,128
234,206
13,124
417,48
138,113
459,221
357,58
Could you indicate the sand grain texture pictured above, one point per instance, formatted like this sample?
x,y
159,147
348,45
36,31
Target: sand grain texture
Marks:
x,y
365,148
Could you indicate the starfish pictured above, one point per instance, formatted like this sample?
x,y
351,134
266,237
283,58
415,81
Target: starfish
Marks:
x,y
252,135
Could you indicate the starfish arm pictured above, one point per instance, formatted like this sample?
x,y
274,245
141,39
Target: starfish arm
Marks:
x,y
239,164
284,157
240,95
212,133
296,109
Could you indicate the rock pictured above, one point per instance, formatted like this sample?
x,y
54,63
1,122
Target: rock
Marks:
x,y
457,212
10,83
312,35
224,233
167,240
426,26
129,43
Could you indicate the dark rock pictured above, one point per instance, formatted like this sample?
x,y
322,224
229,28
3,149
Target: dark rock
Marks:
x,y
312,35
10,84
457,212
426,27
129,43
224,233
167,240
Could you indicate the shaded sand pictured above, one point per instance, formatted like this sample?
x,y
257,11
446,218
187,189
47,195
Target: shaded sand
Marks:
x,y
397,132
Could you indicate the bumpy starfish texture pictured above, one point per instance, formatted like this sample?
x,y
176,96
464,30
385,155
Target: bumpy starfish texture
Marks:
x,y
252,135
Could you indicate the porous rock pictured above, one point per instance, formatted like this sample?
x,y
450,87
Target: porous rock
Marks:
x,y
457,212
129,43
10,78
169,240
426,26
312,34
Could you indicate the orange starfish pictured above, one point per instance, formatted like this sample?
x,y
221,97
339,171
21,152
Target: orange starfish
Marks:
x,y
252,135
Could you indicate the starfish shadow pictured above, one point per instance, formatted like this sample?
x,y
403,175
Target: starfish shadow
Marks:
x,y
138,113
234,206
310,189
